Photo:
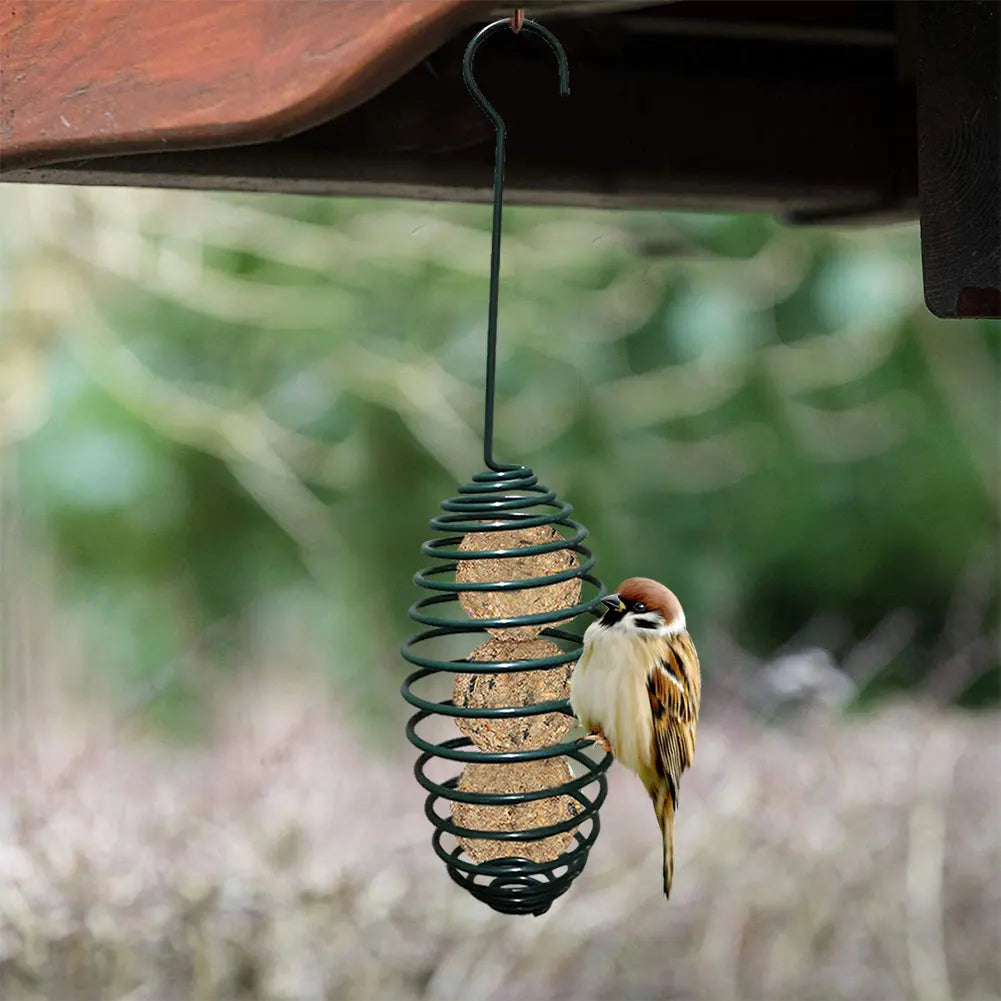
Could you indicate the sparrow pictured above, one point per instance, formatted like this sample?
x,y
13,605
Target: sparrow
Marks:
x,y
636,690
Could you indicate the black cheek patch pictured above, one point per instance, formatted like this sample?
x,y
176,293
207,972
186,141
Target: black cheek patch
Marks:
x,y
642,623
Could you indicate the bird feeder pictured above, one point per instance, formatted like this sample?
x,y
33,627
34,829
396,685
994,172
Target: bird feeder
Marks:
x,y
518,787
515,825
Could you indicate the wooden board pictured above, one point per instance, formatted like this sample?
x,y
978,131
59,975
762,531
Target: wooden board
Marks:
x,y
801,112
959,156
85,77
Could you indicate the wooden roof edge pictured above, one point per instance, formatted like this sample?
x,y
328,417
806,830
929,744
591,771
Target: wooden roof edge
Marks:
x,y
197,74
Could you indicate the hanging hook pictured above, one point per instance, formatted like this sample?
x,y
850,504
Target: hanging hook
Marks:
x,y
520,25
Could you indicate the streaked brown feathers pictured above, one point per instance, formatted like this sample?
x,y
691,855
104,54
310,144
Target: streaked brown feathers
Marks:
x,y
674,688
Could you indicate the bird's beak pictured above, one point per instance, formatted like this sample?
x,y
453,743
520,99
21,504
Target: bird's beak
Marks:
x,y
614,602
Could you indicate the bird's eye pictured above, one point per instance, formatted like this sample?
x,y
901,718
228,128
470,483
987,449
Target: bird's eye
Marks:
x,y
639,606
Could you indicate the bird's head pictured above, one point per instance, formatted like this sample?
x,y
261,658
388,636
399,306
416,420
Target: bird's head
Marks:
x,y
645,607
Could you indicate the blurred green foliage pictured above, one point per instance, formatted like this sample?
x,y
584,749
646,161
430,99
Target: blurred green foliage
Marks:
x,y
228,419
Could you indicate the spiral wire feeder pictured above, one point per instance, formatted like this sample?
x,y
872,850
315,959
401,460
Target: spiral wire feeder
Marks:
x,y
501,498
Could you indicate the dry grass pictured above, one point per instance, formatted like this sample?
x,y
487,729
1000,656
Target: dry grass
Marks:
x,y
838,858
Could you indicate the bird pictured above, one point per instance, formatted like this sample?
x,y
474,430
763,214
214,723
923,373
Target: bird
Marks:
x,y
637,691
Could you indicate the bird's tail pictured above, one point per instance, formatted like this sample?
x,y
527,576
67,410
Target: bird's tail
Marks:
x,y
664,805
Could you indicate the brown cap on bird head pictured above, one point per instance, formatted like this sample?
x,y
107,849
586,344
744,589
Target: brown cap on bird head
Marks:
x,y
654,595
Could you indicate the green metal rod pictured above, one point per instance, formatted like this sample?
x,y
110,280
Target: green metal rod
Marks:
x,y
491,112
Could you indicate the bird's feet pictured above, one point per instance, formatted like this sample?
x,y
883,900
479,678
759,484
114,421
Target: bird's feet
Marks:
x,y
600,739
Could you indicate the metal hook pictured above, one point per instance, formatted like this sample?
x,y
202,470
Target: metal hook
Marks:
x,y
527,26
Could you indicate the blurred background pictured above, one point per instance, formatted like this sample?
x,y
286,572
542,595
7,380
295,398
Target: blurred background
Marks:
x,y
224,424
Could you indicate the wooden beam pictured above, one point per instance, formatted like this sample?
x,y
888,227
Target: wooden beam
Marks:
x,y
651,120
959,156
87,77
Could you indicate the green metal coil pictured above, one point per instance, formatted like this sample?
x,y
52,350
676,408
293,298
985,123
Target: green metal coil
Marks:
x,y
499,500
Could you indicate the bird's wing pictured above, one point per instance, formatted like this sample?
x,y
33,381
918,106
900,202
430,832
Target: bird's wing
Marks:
x,y
675,715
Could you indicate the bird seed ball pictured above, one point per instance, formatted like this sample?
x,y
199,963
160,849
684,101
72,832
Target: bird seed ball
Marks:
x,y
527,776
523,688
507,604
